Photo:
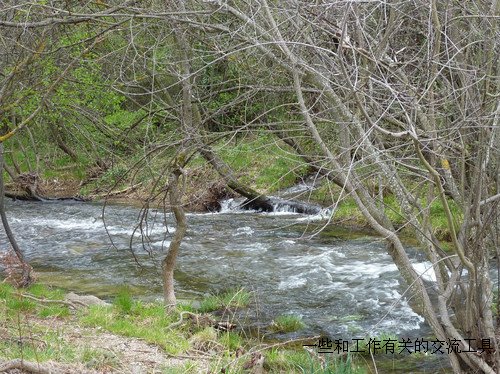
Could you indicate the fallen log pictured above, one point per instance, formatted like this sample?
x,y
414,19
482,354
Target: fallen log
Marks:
x,y
119,192
22,196
255,200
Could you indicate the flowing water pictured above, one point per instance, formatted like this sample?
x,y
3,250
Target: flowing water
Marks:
x,y
342,283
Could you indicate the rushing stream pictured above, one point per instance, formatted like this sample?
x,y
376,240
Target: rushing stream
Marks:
x,y
341,284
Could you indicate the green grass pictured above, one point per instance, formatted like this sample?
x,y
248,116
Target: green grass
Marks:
x,y
6,290
54,165
347,211
439,221
37,344
210,304
15,303
231,340
236,298
264,163
36,349
18,304
42,291
293,361
123,301
54,311
287,323
150,322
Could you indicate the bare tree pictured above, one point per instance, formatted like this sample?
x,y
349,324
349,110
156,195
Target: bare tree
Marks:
x,y
25,93
407,94
26,276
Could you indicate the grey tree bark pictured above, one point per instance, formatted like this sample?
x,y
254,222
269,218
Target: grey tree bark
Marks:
x,y
400,127
26,276
175,193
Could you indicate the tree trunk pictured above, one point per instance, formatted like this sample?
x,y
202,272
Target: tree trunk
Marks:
x,y
168,263
9,171
255,200
26,273
60,138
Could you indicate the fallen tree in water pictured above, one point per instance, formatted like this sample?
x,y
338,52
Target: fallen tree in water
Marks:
x,y
15,195
29,187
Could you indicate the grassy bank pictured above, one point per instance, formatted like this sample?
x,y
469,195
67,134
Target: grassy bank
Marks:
x,y
41,325
347,212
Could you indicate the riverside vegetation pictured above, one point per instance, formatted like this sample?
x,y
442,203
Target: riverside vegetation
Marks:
x,y
42,333
39,326
260,161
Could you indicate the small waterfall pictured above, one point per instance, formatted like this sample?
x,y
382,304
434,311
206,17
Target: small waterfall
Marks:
x,y
277,204
291,206
231,205
285,201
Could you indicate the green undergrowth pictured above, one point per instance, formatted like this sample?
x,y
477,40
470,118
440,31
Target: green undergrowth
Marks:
x,y
237,298
258,160
263,162
37,325
347,211
295,361
54,164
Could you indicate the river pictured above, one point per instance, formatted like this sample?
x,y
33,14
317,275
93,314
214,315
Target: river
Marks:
x,y
341,282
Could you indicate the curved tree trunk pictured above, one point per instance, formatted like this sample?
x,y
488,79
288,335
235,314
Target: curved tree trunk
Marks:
x,y
168,263
26,268
255,200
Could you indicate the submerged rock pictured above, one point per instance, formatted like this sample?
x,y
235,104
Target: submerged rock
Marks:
x,y
276,204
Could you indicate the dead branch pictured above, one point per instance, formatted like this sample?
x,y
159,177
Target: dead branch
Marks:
x,y
31,367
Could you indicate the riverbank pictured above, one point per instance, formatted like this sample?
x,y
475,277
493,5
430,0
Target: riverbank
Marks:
x,y
205,190
53,331
258,161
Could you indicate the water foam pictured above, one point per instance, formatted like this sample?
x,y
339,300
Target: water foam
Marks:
x,y
295,281
425,270
245,230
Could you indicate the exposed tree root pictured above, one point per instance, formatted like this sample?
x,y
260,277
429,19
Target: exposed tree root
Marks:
x,y
47,301
32,367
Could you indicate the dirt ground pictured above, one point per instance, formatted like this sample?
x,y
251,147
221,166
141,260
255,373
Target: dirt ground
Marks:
x,y
118,354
